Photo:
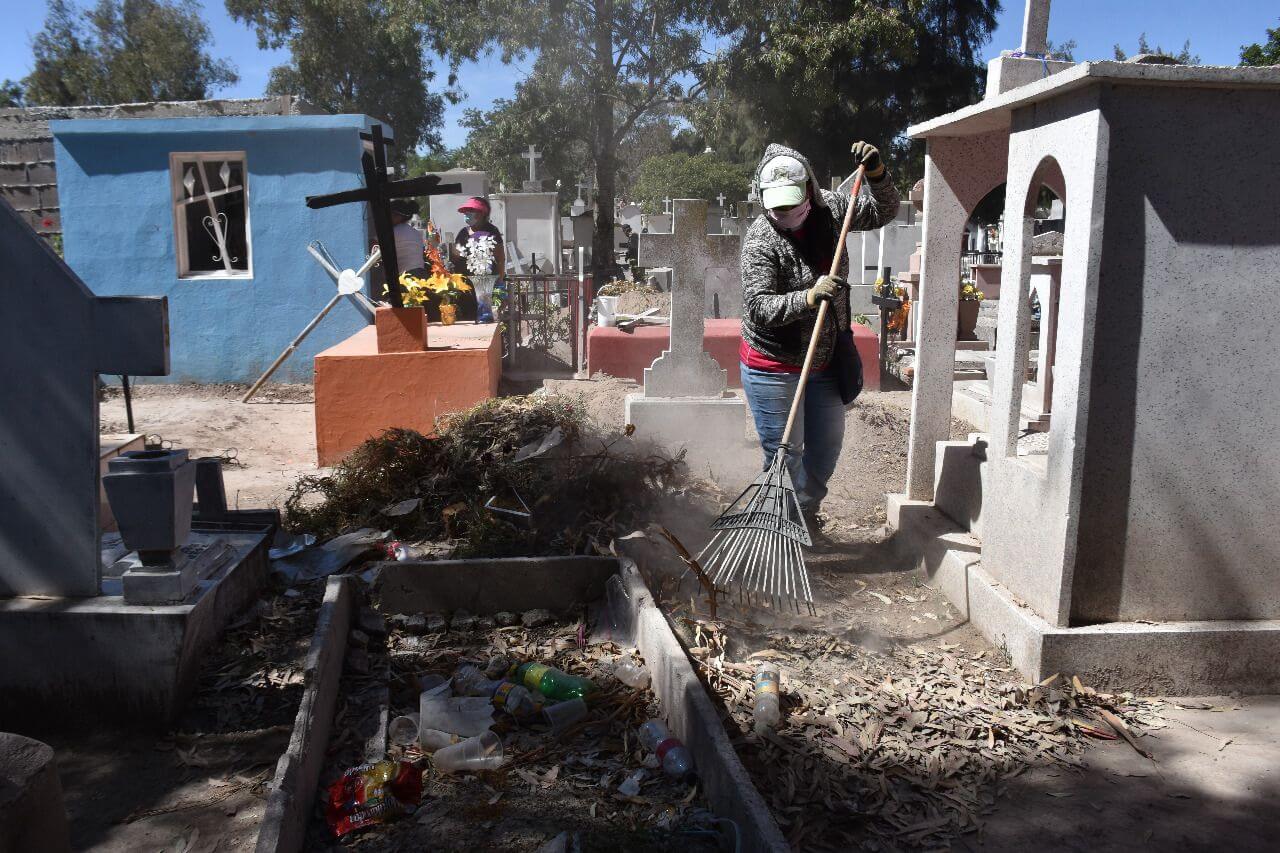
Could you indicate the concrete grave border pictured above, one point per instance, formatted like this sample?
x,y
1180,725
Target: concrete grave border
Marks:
x,y
690,713
284,822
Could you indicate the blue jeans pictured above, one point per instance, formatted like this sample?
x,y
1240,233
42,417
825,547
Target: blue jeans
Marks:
x,y
818,433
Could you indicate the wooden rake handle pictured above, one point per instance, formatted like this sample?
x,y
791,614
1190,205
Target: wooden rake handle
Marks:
x,y
822,307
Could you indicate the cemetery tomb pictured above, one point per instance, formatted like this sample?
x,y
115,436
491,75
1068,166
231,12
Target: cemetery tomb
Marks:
x,y
120,642
713,257
386,375
207,212
1134,544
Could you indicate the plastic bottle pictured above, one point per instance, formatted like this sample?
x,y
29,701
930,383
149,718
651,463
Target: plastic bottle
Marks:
x,y
516,700
632,674
551,682
630,786
562,715
676,760
483,752
767,709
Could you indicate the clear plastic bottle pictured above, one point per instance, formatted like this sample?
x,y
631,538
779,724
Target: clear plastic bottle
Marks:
x,y
675,758
551,682
515,699
768,709
632,674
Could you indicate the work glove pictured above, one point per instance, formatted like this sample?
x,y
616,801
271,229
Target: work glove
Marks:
x,y
824,289
866,154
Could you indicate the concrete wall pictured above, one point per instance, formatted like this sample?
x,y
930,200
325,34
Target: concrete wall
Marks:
x,y
1182,478
119,233
1031,512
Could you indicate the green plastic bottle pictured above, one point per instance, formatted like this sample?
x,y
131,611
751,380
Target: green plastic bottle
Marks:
x,y
550,682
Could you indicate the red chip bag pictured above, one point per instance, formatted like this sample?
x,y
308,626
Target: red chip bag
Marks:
x,y
372,793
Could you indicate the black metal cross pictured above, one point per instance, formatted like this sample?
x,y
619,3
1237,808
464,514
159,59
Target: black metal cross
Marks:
x,y
379,192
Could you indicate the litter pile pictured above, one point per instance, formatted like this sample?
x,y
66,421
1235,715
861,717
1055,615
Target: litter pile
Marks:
x,y
514,476
515,729
899,748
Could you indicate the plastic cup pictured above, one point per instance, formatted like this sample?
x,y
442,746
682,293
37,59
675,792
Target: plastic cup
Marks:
x,y
562,715
483,752
403,731
432,739
621,616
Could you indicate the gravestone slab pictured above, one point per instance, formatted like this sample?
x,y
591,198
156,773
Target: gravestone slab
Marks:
x,y
685,370
691,252
55,338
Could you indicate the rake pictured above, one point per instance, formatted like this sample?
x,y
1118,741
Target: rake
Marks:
x,y
759,538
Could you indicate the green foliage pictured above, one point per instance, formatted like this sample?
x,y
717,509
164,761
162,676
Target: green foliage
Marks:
x,y
820,75
678,175
1262,54
1065,52
352,56
1184,56
10,94
439,160
123,51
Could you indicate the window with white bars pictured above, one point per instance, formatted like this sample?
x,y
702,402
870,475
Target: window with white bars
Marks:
x,y
211,214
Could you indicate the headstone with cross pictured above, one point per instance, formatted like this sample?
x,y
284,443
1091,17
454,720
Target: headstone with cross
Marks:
x,y
533,185
684,407
710,260
378,193
685,370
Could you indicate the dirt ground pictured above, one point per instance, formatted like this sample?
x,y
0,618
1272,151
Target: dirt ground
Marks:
x,y
1212,783
273,436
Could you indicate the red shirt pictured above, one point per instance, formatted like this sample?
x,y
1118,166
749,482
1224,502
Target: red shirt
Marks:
x,y
759,361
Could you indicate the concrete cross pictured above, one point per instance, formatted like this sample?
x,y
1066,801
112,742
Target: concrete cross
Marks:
x,y
685,369
532,155
1035,28
720,198
666,205
693,254
56,336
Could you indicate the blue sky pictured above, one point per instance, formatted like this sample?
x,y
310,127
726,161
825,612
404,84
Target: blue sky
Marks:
x,y
1216,35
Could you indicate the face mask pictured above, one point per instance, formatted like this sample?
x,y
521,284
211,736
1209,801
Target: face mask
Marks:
x,y
470,218
793,218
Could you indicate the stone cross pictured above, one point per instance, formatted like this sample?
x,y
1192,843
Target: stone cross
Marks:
x,y
1035,28
720,198
685,369
713,259
55,338
581,188
532,155
666,205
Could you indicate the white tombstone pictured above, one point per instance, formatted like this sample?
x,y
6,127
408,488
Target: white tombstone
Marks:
x,y
530,222
684,405
690,250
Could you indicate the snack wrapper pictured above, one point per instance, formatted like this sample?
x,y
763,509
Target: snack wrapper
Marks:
x,y
372,793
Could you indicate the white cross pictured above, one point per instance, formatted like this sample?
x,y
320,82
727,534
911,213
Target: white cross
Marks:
x,y
1035,27
720,198
581,187
666,205
532,155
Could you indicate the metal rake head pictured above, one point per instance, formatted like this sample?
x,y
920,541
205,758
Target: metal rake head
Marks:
x,y
770,504
758,543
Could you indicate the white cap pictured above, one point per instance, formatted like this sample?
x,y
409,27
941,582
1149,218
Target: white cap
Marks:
x,y
782,182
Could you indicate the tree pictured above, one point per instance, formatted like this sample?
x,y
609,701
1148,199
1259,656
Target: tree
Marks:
x,y
1262,54
819,75
1182,57
679,175
124,51
352,56
10,94
1065,52
611,64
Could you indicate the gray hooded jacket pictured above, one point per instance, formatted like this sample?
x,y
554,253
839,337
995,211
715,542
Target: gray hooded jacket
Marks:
x,y
776,320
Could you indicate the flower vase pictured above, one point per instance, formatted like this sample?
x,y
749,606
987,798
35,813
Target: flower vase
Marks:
x,y
967,319
484,285
448,314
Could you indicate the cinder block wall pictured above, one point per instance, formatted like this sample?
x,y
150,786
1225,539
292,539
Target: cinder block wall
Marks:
x,y
28,178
